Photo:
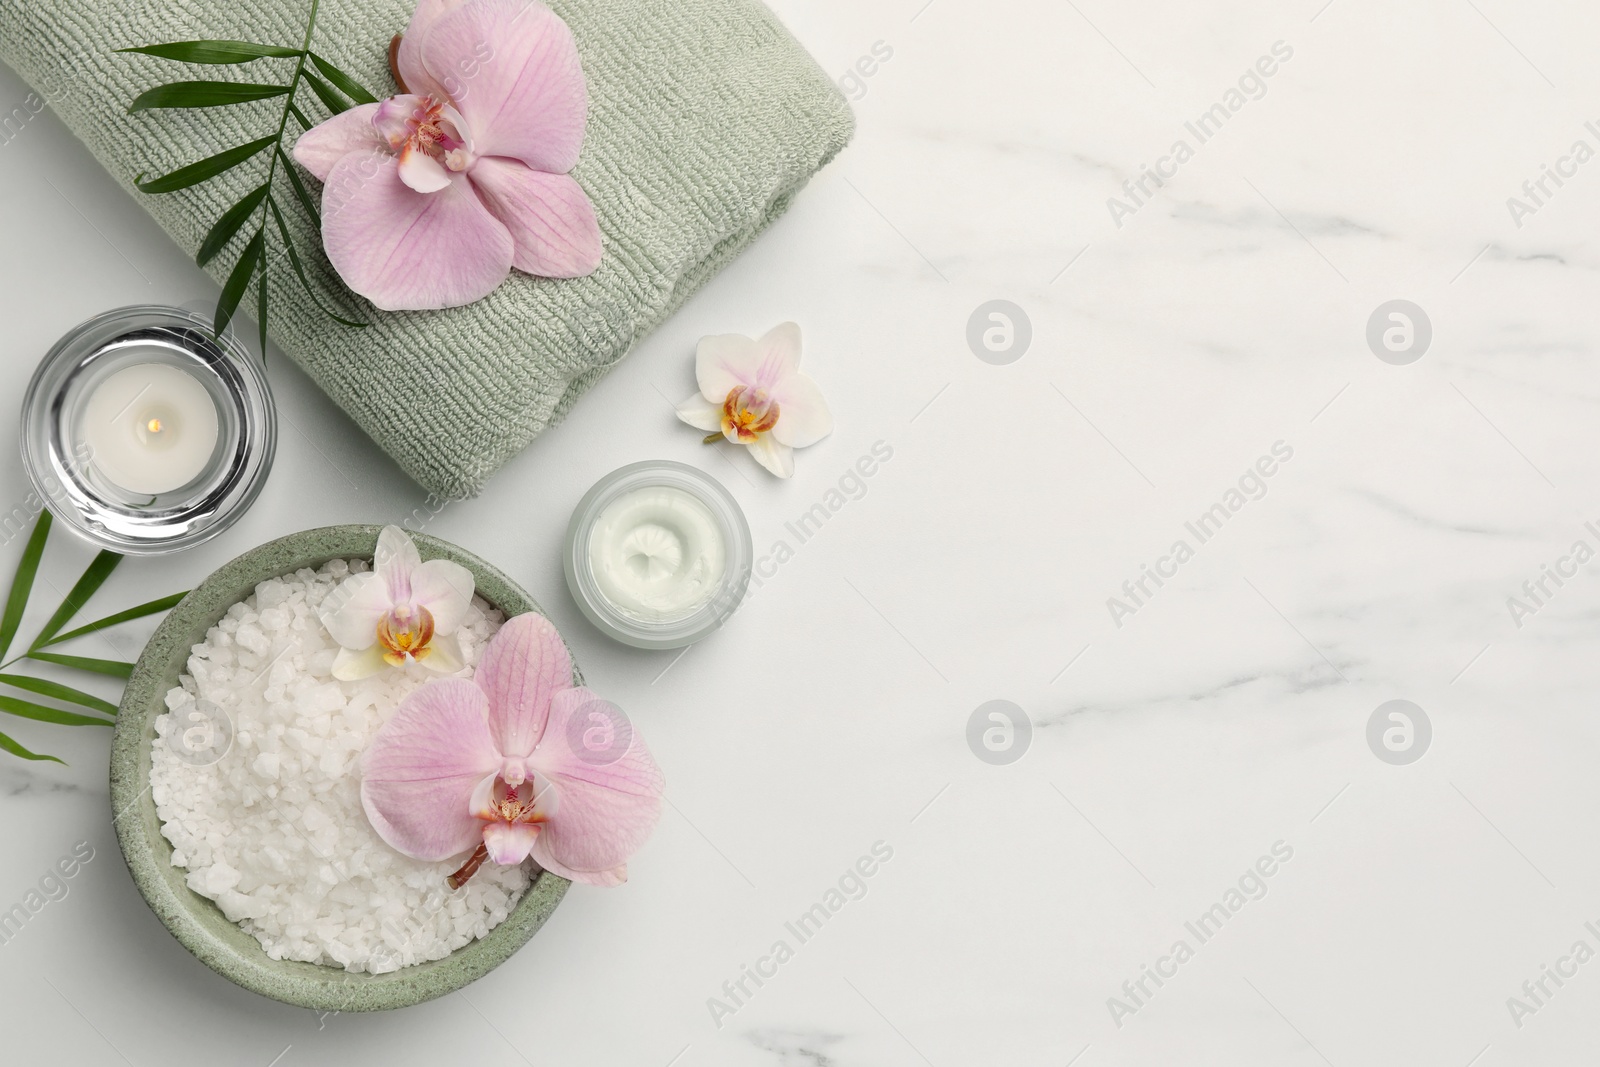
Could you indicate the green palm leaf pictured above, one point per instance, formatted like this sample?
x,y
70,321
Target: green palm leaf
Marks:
x,y
214,52
94,577
299,268
114,668
301,193
261,307
57,691
204,94
27,709
16,749
210,167
342,81
233,290
327,87
22,582
336,104
149,607
229,224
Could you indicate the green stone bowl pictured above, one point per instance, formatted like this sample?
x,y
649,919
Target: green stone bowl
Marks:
x,y
198,923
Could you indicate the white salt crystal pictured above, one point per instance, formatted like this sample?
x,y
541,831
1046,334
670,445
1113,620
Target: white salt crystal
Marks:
x,y
252,638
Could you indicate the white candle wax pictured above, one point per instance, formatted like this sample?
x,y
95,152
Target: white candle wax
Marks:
x,y
151,428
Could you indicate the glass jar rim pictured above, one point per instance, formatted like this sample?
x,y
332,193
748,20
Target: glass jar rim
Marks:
x,y
663,634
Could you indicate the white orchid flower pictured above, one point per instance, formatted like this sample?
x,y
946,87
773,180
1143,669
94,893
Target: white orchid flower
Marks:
x,y
402,611
752,393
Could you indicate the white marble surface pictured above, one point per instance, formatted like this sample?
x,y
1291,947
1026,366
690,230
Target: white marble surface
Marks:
x,y
1168,754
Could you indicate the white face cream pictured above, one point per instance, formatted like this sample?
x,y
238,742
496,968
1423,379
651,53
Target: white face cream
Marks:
x,y
657,553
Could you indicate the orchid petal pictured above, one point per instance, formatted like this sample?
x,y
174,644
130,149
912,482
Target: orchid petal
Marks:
x,y
773,455
351,612
803,416
511,67
444,587
606,810
778,355
549,216
421,171
421,768
722,363
701,413
405,250
443,654
510,842
408,60
394,560
524,666
320,147
352,665
482,802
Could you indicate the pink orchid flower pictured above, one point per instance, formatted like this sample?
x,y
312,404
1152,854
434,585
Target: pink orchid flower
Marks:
x,y
752,393
403,611
504,765
432,196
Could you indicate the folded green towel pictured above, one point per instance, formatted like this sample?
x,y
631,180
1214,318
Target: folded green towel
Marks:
x,y
705,118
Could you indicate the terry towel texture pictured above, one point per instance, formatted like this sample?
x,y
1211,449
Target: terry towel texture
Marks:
x,y
705,118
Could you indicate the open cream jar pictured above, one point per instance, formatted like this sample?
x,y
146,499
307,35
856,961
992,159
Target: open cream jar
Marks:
x,y
658,554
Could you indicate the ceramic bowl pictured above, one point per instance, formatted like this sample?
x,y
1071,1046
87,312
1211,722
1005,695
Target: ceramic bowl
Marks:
x,y
196,921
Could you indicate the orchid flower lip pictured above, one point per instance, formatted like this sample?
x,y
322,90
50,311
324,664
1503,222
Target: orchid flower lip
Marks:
x,y
420,129
748,412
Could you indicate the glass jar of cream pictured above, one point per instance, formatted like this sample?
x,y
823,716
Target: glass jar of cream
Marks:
x,y
658,554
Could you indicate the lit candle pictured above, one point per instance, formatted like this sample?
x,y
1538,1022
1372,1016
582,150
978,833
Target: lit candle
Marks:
x,y
151,428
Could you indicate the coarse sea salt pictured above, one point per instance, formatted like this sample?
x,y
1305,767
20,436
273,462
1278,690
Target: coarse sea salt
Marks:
x,y
274,830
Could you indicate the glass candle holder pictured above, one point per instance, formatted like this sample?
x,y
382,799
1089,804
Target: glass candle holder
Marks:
x,y
658,554
144,433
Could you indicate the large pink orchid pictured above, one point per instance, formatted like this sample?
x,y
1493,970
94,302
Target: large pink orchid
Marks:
x,y
432,196
510,764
